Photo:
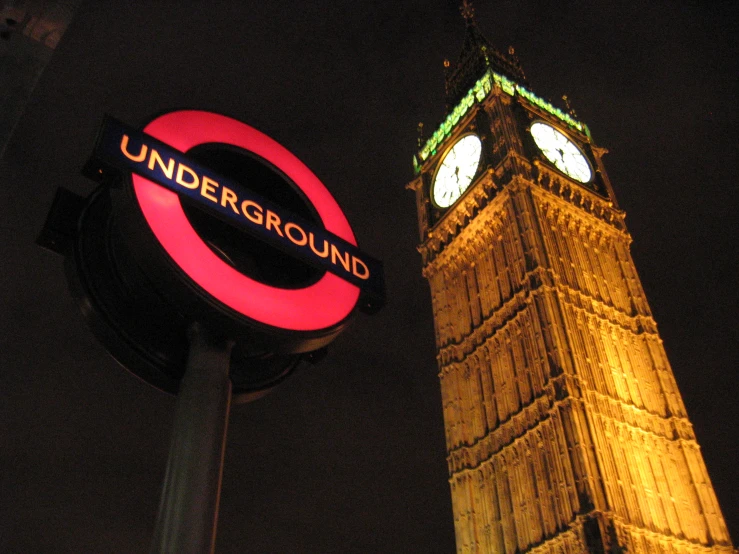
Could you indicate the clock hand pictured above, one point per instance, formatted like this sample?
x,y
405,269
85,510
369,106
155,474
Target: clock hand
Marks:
x,y
459,184
561,153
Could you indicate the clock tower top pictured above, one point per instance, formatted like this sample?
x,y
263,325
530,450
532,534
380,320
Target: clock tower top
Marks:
x,y
477,55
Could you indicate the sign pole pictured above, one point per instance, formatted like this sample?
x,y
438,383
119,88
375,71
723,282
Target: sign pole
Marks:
x,y
188,510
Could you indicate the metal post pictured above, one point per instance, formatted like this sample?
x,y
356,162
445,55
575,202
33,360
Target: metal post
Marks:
x,y
188,510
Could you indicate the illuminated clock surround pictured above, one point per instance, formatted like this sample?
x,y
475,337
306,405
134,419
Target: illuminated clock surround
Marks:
x,y
561,152
477,94
456,171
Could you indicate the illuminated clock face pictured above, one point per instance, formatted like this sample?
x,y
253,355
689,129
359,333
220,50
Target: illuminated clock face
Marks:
x,y
562,152
456,171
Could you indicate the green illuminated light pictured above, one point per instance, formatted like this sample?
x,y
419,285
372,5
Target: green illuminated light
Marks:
x,y
478,93
531,97
505,83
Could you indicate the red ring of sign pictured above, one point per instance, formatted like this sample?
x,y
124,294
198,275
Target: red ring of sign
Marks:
x,y
319,306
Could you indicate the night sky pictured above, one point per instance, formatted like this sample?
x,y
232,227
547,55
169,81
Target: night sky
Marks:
x,y
348,455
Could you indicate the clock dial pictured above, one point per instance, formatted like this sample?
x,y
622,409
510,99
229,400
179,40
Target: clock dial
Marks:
x,y
562,152
456,171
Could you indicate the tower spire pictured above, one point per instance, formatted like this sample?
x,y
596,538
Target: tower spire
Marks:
x,y
477,55
468,12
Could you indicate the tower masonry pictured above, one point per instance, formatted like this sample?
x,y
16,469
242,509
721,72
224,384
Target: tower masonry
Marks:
x,y
565,429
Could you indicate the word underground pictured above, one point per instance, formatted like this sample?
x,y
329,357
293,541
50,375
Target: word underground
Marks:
x,y
226,199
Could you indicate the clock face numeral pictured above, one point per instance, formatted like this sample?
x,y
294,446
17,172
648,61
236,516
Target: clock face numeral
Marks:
x,y
562,152
456,171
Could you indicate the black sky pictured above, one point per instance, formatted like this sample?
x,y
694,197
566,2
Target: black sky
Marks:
x,y
348,456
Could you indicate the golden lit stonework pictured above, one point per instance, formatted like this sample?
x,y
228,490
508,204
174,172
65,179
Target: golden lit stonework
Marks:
x,y
565,429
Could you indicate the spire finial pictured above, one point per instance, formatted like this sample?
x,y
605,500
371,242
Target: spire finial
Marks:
x,y
570,109
468,12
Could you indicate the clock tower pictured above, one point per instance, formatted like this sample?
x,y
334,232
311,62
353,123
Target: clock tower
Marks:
x,y
565,429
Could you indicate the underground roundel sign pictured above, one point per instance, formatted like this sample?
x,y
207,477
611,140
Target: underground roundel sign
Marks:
x,y
164,176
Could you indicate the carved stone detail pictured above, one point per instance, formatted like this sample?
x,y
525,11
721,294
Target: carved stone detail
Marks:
x,y
565,429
